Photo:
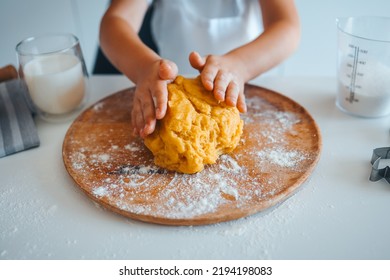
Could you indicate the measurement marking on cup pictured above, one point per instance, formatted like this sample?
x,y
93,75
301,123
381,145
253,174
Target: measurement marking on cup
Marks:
x,y
352,86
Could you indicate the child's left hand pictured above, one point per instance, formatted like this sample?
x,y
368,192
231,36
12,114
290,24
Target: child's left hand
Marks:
x,y
223,76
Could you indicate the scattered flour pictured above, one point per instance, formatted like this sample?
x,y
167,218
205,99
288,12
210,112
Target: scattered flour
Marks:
x,y
98,106
132,148
282,157
78,160
229,164
104,157
101,191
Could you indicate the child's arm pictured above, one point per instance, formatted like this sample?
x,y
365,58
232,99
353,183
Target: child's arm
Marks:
x,y
120,42
226,74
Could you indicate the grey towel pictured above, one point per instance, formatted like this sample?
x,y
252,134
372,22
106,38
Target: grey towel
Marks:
x,y
17,127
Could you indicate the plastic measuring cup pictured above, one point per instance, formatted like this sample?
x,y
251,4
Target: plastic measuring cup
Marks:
x,y
363,66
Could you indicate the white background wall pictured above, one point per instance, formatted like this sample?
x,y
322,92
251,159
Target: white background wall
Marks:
x,y
316,56
20,19
317,52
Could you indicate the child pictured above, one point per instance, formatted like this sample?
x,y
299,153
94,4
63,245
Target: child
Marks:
x,y
225,50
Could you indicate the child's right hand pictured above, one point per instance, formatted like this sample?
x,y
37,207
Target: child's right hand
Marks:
x,y
151,95
223,75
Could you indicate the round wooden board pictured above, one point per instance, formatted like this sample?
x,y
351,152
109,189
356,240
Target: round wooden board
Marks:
x,y
279,149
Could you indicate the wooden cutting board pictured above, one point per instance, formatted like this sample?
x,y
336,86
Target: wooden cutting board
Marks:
x,y
279,149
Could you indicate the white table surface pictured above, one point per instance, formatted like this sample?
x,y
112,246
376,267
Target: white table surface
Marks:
x,y
337,213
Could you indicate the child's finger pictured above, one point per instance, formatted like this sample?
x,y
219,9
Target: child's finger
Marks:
x,y
208,75
232,93
197,61
167,70
148,113
148,128
136,117
241,104
220,85
160,99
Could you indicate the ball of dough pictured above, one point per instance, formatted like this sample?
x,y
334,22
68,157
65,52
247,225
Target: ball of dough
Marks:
x,y
196,129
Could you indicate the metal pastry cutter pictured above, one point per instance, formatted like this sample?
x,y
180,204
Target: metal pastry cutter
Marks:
x,y
376,172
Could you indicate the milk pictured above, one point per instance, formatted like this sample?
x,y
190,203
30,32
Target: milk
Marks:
x,y
55,83
372,89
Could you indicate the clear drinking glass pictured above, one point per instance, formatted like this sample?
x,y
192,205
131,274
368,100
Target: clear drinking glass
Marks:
x,y
53,69
363,66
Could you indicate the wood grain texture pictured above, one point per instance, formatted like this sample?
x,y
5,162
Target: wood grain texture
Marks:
x,y
279,149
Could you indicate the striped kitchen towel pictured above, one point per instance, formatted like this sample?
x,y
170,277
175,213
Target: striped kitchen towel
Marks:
x,y
17,127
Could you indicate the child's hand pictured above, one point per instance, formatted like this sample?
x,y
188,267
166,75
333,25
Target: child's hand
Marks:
x,y
151,96
223,76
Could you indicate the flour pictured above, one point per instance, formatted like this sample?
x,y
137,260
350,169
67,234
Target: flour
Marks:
x,y
104,157
229,164
132,148
77,165
101,191
98,106
282,157
78,160
199,193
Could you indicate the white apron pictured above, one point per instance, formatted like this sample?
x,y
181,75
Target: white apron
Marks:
x,y
205,26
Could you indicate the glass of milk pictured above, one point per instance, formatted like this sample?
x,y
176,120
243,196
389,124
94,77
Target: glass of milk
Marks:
x,y
53,69
363,66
